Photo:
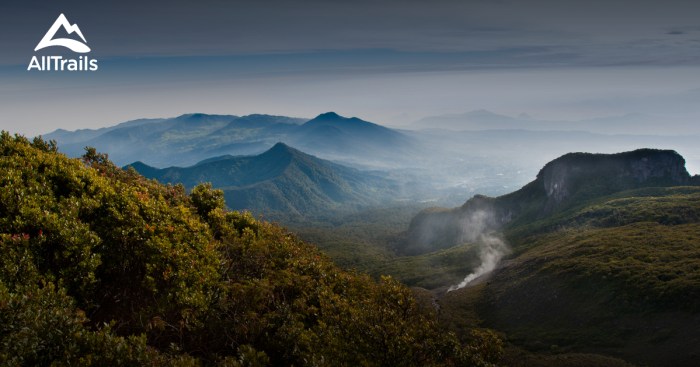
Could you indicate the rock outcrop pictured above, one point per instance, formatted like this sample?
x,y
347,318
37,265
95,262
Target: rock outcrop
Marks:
x,y
567,181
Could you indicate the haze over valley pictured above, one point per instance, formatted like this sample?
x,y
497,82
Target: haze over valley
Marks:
x,y
384,183
457,215
479,152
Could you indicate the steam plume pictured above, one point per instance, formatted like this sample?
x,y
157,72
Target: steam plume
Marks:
x,y
492,249
478,227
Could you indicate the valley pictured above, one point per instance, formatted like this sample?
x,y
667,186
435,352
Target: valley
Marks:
x,y
595,261
336,184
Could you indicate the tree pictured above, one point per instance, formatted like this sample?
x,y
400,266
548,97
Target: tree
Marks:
x,y
205,199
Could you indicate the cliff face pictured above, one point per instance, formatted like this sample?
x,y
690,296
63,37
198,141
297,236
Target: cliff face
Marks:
x,y
607,173
562,183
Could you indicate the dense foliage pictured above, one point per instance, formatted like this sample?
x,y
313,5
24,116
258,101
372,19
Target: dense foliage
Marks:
x,y
99,266
643,242
616,275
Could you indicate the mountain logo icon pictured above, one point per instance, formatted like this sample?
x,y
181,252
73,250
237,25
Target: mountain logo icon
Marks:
x,y
73,45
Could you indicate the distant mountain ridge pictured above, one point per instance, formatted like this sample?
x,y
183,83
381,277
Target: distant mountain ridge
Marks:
x,y
480,120
183,140
341,138
433,164
280,180
565,182
70,137
190,138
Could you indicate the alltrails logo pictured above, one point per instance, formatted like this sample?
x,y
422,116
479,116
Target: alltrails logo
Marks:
x,y
59,63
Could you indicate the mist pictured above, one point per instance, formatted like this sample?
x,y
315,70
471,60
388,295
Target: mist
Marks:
x,y
476,224
491,251
479,226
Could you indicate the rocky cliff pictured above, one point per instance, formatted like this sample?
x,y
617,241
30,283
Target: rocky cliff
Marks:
x,y
565,182
588,174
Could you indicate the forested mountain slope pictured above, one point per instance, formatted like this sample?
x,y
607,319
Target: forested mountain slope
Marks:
x,y
100,266
282,182
603,257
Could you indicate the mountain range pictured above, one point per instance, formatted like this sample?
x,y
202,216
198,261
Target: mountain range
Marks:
x,y
282,182
595,257
190,138
496,159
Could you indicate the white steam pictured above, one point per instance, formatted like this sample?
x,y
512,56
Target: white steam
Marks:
x,y
492,249
478,227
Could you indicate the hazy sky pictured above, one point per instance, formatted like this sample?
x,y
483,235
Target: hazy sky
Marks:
x,y
391,62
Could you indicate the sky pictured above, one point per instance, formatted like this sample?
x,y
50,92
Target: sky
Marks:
x,y
391,62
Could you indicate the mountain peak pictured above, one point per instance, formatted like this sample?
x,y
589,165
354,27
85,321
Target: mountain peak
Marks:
x,y
333,119
328,115
281,146
332,116
203,117
280,150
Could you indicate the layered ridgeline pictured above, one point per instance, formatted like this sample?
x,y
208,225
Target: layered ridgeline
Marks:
x,y
486,157
191,138
601,253
281,183
100,266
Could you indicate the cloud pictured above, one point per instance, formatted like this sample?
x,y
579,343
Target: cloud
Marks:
x,y
380,57
597,29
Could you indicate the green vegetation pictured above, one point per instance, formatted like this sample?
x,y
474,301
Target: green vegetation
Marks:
x,y
648,262
643,241
609,270
366,242
617,274
101,266
567,183
435,270
604,261
363,241
664,205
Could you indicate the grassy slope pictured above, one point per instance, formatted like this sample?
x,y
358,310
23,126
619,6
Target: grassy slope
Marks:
x,y
364,241
434,270
619,275
359,241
